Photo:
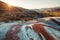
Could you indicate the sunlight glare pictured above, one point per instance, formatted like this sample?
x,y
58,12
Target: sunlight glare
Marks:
x,y
10,2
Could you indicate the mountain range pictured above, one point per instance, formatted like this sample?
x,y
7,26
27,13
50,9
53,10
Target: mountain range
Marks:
x,y
12,13
55,12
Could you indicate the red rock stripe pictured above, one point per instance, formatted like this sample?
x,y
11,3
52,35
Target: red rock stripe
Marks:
x,y
12,34
40,29
55,21
51,27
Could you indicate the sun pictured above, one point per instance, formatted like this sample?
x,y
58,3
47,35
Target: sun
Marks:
x,y
10,2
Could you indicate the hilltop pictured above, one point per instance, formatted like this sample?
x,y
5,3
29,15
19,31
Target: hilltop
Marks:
x,y
13,13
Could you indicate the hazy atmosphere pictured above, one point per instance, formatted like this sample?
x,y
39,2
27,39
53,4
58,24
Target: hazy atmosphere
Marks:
x,y
31,4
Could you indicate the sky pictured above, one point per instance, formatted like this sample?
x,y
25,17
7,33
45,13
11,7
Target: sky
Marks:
x,y
34,4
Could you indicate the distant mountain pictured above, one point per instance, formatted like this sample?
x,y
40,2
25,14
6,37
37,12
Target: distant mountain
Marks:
x,y
55,12
11,13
